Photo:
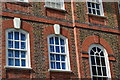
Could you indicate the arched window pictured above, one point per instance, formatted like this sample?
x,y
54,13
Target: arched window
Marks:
x,y
17,48
58,53
99,63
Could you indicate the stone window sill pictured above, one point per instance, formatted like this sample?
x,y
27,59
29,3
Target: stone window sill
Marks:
x,y
55,70
20,68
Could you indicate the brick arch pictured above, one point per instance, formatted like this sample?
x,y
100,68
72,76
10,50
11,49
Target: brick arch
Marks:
x,y
96,40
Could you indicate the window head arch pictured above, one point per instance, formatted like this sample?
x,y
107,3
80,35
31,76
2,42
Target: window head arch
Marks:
x,y
58,52
99,63
17,48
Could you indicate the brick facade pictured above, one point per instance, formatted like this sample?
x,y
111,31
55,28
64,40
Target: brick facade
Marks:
x,y
88,29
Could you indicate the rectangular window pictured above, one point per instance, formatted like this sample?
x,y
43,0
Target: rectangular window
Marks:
x,y
95,7
119,6
57,4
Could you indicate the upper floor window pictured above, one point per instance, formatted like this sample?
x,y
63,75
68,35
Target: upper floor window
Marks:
x,y
95,7
99,62
57,4
17,48
58,53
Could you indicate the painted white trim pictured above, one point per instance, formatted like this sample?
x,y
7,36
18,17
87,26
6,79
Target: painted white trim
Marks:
x,y
106,60
66,51
28,64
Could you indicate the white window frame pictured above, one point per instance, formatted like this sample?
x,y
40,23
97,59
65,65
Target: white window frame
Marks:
x,y
28,64
106,62
22,1
49,4
99,2
119,6
66,51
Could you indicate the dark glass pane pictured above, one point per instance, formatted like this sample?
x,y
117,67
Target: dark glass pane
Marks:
x,y
52,57
52,48
89,4
56,40
51,40
23,62
94,11
10,44
89,10
53,65
10,53
102,54
63,66
94,70
57,57
99,71
58,65
92,60
103,61
99,78
94,78
23,38
62,57
94,49
23,45
10,35
98,12
23,54
93,5
17,54
97,6
17,44
62,42
10,62
105,78
62,49
17,62
98,49
57,49
98,60
91,52
104,71
16,35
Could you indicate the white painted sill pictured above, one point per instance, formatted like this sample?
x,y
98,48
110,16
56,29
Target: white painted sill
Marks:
x,y
20,68
96,15
55,8
55,70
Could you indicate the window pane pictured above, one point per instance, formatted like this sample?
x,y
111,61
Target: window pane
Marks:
x,y
104,71
98,49
17,62
98,12
94,78
89,4
52,48
10,62
57,49
99,78
63,66
56,40
102,54
97,6
51,40
94,11
98,60
62,49
16,35
23,54
53,65
94,49
92,60
89,10
17,54
52,57
57,57
103,61
58,65
10,53
23,38
10,35
10,44
17,44
91,52
62,41
62,57
23,44
99,70
23,62
94,70
93,5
